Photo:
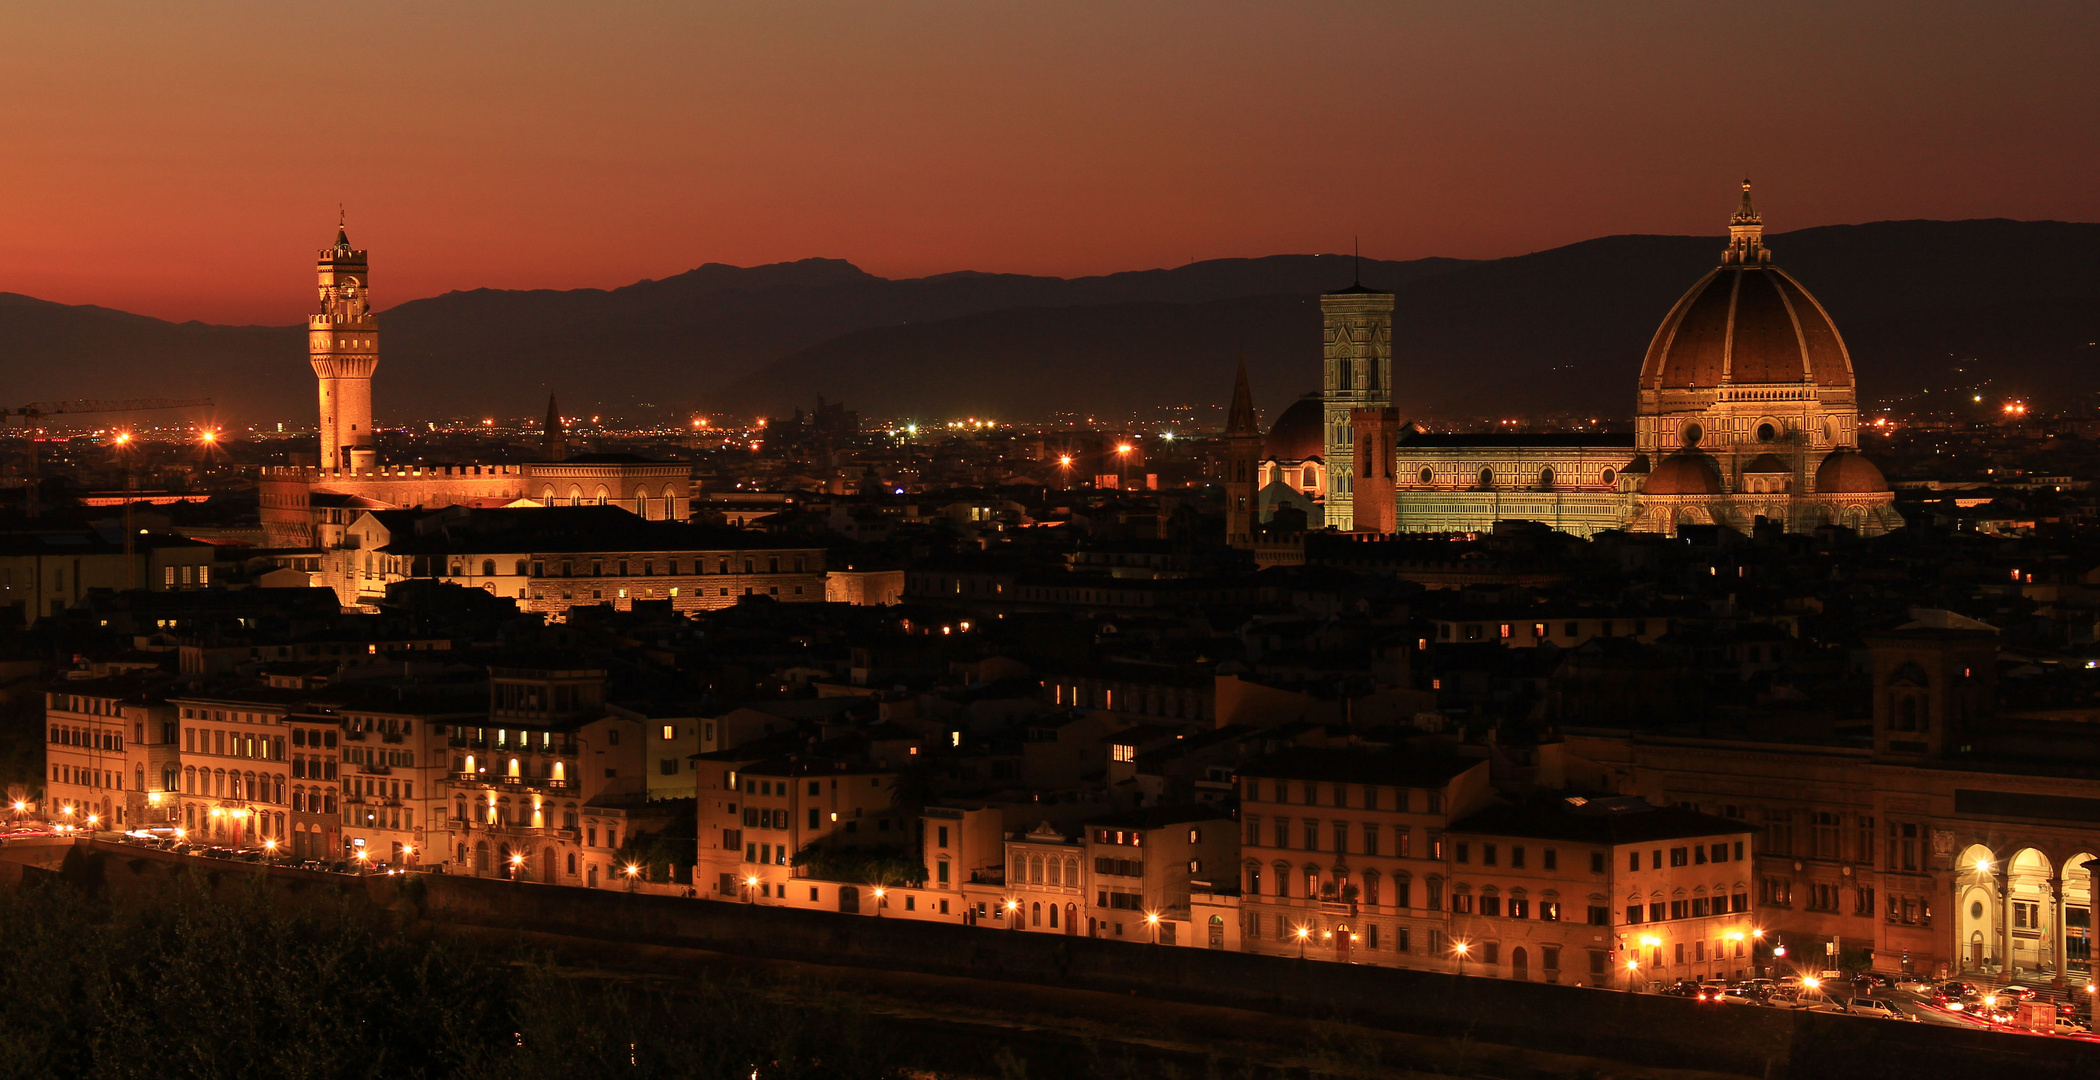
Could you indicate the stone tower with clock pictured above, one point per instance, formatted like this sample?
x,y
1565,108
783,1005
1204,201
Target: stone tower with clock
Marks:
x,y
343,343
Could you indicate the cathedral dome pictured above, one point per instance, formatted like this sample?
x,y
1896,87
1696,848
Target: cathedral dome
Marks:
x,y
1683,474
1745,322
1849,473
1300,434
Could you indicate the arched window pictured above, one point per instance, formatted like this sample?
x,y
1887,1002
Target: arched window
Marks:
x,y
1609,477
1487,479
488,568
1546,479
1766,433
1428,475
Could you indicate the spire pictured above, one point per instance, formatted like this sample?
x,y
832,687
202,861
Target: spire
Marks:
x,y
1746,214
342,229
554,440
1746,235
1240,421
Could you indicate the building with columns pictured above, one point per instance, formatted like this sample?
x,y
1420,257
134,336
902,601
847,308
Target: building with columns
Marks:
x,y
1958,837
308,505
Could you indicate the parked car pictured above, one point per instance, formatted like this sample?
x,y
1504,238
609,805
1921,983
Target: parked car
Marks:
x,y
1866,1006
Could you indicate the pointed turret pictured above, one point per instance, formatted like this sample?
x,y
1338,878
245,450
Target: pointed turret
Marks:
x,y
1240,419
554,439
1746,234
1242,465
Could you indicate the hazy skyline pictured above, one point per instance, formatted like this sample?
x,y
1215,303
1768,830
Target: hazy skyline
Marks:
x,y
184,162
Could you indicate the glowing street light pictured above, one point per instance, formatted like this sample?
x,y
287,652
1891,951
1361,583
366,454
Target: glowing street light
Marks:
x,y
1461,950
750,886
1152,920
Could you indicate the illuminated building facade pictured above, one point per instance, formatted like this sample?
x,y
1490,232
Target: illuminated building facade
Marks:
x,y
306,505
1747,411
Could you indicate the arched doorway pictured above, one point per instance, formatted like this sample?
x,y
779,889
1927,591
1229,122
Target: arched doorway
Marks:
x,y
1072,919
849,900
1976,908
503,863
2031,901
547,865
1342,937
481,856
1519,964
1217,931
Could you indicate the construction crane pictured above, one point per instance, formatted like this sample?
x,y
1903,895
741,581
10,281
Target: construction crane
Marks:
x,y
36,411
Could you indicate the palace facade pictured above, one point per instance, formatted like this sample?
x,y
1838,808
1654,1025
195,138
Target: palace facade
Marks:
x,y
310,505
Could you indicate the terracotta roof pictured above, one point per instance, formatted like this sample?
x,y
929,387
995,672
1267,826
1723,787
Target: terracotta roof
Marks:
x,y
1299,434
1846,472
1746,324
1683,474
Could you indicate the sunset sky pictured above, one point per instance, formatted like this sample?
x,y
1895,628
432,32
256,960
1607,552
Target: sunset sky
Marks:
x,y
184,160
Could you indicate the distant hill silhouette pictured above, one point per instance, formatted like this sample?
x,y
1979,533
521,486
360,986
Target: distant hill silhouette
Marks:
x,y
1561,329
1557,330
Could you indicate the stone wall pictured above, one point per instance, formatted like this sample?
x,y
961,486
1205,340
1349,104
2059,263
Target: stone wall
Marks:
x,y
1639,1029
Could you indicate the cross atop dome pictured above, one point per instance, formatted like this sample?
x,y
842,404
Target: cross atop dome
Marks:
x,y
1746,234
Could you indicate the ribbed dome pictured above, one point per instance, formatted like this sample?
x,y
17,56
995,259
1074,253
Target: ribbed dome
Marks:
x,y
1767,463
1683,474
1746,324
1849,473
1299,434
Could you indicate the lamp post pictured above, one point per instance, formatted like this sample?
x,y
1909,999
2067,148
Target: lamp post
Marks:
x,y
634,871
1013,914
1303,933
1460,950
1633,974
364,859
880,903
1152,920
1123,465
750,887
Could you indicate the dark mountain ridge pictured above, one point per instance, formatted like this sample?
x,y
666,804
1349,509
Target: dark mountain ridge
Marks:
x,y
1561,329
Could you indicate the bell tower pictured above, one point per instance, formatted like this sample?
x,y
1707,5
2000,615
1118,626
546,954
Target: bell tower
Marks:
x,y
342,340
1358,375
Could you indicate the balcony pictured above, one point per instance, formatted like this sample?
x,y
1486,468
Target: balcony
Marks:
x,y
353,736
369,769
391,737
462,742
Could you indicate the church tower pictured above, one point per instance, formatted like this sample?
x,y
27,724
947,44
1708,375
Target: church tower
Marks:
x,y
1242,465
343,342
1358,375
554,435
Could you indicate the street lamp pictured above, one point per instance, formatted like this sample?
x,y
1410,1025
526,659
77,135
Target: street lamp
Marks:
x,y
750,886
1303,933
1152,920
1013,914
269,847
1633,973
1460,949
364,858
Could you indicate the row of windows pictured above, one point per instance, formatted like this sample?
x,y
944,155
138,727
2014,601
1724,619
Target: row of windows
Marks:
x,y
233,744
87,738
647,567
1364,796
1698,907
1695,855
1310,830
